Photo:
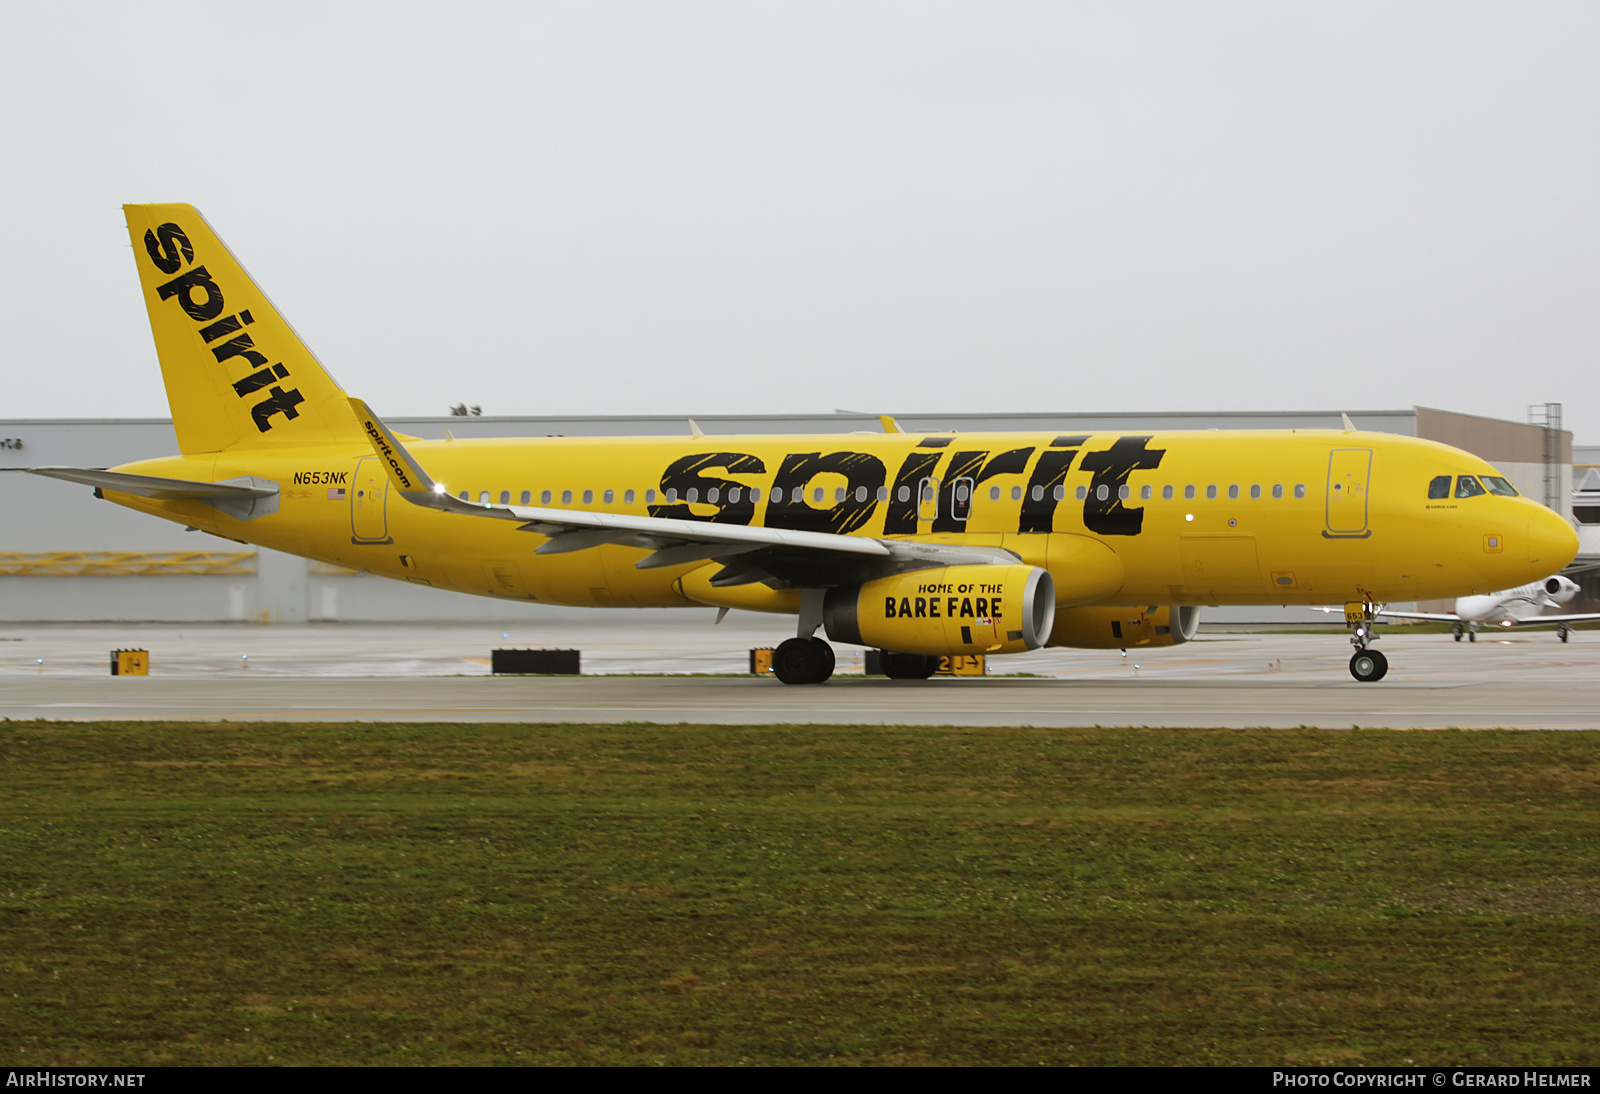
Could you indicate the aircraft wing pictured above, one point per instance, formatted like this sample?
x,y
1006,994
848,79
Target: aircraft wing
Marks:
x,y
1545,620
1429,617
1451,617
789,556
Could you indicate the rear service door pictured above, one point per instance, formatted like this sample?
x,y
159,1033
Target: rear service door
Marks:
x,y
1349,470
368,494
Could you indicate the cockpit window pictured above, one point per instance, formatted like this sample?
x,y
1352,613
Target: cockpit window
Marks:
x,y
1500,486
1439,487
1468,487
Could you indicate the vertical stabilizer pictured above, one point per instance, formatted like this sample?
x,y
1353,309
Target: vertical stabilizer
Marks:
x,y
237,374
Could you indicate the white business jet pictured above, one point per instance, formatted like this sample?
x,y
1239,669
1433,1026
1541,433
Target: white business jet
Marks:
x,y
1519,607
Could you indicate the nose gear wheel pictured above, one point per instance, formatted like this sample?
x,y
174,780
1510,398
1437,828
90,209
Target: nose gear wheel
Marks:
x,y
1369,666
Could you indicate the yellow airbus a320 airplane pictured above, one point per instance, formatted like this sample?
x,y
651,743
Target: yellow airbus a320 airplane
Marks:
x,y
919,545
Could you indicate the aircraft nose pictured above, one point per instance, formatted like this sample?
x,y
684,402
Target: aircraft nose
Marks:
x,y
1552,542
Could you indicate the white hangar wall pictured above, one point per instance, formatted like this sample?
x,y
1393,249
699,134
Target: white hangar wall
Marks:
x,y
66,556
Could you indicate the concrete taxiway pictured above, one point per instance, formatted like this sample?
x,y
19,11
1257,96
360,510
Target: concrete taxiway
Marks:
x,y
441,673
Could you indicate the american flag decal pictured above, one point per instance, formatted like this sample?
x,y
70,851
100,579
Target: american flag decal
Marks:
x,y
336,493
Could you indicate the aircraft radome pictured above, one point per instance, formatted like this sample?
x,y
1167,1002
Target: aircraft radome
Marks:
x,y
918,544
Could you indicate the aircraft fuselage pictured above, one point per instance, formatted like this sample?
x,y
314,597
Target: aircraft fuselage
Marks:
x,y
1182,518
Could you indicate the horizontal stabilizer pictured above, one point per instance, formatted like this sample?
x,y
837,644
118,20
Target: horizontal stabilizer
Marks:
x,y
243,499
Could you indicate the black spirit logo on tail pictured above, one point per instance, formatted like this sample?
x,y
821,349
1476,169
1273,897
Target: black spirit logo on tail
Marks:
x,y
201,298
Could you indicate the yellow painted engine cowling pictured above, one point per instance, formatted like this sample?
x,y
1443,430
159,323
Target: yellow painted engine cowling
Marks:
x,y
1124,628
955,609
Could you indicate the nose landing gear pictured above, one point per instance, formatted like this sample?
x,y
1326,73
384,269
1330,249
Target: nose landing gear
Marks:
x,y
1366,665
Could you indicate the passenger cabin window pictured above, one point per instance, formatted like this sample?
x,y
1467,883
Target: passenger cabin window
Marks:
x,y
1016,493
483,497
610,496
649,497
1166,493
544,497
1299,489
1211,493
755,494
994,493
1233,493
777,493
901,495
672,496
883,494
588,497
1059,493
1255,491
1438,487
627,497
1468,487
1145,492
527,496
462,495
1277,489
1083,492
1188,492
1102,492
1499,486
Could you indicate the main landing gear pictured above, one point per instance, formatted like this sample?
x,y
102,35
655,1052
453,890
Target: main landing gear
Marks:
x,y
805,659
802,661
1366,665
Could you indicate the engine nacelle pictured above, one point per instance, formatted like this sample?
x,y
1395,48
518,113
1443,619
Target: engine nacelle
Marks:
x,y
1124,628
955,609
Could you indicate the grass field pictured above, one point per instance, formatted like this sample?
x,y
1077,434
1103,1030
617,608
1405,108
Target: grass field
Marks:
x,y
188,893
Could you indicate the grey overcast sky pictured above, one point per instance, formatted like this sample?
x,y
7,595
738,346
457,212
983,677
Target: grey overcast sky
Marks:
x,y
764,207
